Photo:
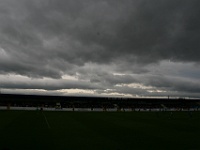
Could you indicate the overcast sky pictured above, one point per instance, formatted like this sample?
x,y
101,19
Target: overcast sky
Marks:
x,y
134,48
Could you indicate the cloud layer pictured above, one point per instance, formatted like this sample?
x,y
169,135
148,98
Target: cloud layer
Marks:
x,y
105,45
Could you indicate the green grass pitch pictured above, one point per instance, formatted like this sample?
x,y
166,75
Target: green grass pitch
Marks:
x,y
37,130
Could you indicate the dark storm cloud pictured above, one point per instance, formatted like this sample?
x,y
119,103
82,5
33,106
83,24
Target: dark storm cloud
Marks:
x,y
52,38
47,84
174,84
96,31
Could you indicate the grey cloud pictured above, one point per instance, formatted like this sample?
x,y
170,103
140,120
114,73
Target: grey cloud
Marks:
x,y
177,84
105,31
51,38
48,84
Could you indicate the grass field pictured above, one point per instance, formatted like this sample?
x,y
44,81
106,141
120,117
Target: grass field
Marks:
x,y
36,130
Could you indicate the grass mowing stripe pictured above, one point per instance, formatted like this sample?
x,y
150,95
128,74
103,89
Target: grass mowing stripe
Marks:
x,y
46,120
